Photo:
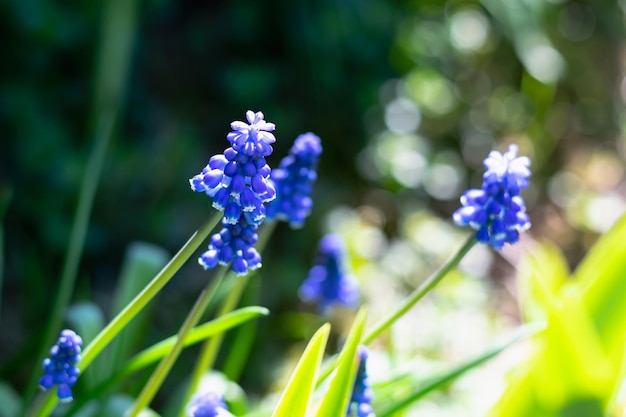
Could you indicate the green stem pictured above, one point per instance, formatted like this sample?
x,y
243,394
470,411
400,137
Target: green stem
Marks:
x,y
159,374
211,347
121,320
420,291
410,301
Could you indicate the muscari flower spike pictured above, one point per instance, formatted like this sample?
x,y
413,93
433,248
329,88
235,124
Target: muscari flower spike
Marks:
x,y
328,283
238,179
208,404
234,243
60,368
293,180
362,394
497,211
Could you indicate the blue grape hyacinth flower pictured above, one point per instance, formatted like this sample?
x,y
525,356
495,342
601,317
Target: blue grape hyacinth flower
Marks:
x,y
362,394
497,211
293,180
60,368
328,283
234,243
238,179
208,404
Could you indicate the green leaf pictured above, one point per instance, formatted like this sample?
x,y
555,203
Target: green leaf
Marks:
x,y
541,275
202,332
142,261
114,406
424,387
10,401
295,398
336,399
87,319
602,277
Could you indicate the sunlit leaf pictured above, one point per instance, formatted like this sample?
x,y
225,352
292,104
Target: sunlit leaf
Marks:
x,y
295,398
541,274
336,399
602,276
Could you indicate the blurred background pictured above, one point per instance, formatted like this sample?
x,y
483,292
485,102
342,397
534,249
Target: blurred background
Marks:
x,y
408,98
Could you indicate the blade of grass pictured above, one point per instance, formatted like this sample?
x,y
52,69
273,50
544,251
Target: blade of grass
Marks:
x,y
295,398
336,400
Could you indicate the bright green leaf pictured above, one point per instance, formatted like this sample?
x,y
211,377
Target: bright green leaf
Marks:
x,y
295,398
541,275
602,276
336,399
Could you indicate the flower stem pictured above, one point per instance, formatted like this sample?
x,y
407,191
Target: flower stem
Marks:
x,y
211,347
121,320
154,383
421,291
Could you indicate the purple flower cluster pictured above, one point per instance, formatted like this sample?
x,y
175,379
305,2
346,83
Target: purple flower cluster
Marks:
x,y
60,368
497,211
294,179
238,181
207,404
362,394
328,283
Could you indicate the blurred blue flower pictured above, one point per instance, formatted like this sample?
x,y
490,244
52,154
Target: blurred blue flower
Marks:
x,y
238,179
497,211
234,243
328,283
60,368
293,181
362,394
208,404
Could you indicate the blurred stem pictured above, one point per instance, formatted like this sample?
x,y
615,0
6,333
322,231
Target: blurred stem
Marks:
x,y
77,240
154,383
119,322
210,348
5,200
421,291
111,69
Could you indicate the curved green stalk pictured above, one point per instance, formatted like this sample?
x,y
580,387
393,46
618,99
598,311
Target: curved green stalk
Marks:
x,y
421,291
410,301
154,383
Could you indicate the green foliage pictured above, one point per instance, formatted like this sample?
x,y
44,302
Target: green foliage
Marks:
x,y
294,401
577,366
336,400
